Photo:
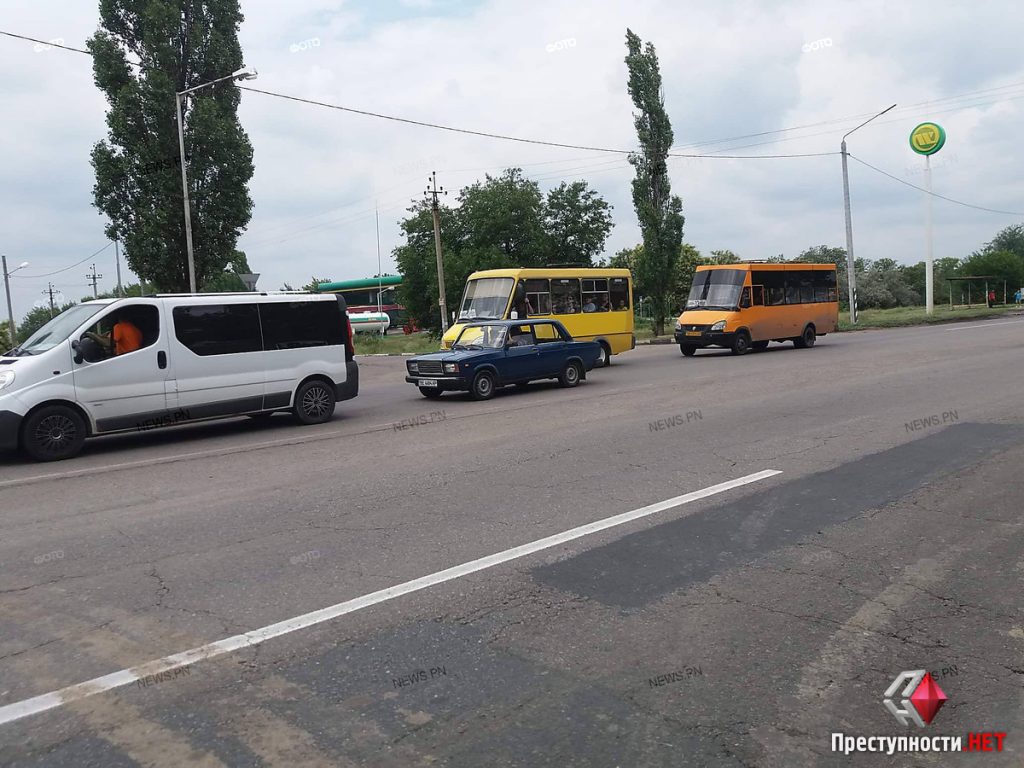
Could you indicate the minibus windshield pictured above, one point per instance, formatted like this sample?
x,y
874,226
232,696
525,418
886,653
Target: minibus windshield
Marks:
x,y
58,329
716,289
486,298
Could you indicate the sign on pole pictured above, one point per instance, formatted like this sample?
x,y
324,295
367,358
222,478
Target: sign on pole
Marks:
x,y
927,139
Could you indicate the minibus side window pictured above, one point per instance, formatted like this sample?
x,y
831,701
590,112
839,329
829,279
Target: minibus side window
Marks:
x,y
774,285
100,341
620,294
758,295
218,329
538,294
565,296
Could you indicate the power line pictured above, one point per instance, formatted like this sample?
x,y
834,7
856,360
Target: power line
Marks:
x,y
935,194
65,269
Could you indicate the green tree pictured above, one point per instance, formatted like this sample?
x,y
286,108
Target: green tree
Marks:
x,y
501,221
577,222
138,180
132,290
1009,240
5,335
1001,265
723,257
229,279
659,211
417,263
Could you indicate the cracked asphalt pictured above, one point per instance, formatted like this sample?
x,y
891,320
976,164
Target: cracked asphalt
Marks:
x,y
737,630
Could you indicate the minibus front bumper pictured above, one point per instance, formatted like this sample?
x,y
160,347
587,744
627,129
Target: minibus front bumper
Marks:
x,y
706,338
10,426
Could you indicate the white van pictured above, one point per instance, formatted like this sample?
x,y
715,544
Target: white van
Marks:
x,y
174,359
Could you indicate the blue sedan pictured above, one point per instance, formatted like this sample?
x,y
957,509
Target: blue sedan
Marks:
x,y
492,354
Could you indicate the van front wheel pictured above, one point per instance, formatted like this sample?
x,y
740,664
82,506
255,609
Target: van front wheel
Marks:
x,y
53,433
314,402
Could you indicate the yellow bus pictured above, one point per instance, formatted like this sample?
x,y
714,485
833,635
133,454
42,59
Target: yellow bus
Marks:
x,y
592,303
746,306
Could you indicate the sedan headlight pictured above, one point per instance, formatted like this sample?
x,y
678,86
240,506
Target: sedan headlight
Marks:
x,y
719,326
6,378
414,367
451,367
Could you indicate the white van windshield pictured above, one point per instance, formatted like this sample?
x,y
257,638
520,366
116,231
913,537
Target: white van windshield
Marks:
x,y
58,329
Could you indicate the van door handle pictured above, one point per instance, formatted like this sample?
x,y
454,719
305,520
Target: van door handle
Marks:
x,y
161,359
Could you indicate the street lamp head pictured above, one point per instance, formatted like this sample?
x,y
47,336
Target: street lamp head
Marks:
x,y
23,265
246,73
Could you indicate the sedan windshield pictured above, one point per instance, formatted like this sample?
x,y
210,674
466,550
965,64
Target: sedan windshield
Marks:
x,y
716,289
58,329
481,337
486,298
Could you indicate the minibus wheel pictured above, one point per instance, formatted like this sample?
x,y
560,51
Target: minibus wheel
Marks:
x,y
688,350
741,343
53,433
806,341
483,386
314,402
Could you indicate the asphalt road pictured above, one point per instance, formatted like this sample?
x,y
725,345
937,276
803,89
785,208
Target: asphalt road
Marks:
x,y
740,626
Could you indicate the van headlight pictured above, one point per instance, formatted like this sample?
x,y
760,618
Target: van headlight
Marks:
x,y
679,326
451,367
6,379
719,326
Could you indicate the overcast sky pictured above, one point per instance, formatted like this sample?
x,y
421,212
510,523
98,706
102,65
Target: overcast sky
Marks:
x,y
554,71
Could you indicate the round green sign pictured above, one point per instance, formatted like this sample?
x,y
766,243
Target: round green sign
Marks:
x,y
927,138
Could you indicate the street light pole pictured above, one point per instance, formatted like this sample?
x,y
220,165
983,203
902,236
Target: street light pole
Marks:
x,y
7,290
851,276
179,97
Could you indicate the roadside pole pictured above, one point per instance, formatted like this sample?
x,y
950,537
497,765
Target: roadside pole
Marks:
x,y
927,139
433,192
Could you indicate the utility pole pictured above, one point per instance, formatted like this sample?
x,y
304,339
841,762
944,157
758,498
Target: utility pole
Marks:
x,y
117,257
93,278
850,271
49,290
433,191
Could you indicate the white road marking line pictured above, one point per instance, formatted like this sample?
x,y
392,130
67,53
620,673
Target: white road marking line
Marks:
x,y
984,325
54,699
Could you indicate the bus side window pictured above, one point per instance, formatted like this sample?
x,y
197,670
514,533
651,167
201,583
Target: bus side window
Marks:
x,y
758,295
620,294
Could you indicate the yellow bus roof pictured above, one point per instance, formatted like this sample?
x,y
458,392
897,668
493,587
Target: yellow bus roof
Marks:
x,y
538,272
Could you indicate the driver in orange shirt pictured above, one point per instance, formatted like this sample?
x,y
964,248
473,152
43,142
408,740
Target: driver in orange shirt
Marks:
x,y
127,337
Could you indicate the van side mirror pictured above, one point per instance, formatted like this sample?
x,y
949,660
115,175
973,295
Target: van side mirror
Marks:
x,y
78,358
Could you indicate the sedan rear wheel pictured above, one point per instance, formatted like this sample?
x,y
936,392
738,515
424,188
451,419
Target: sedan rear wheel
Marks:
x,y
570,375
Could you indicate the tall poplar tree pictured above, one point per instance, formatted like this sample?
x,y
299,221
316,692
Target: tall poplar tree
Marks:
x,y
658,210
143,53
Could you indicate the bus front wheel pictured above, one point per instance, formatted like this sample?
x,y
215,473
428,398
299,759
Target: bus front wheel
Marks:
x,y
741,343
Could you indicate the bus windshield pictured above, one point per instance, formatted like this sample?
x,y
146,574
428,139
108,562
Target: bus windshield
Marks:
x,y
716,289
485,298
58,329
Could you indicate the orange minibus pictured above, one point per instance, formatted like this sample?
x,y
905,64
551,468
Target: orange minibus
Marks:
x,y
745,306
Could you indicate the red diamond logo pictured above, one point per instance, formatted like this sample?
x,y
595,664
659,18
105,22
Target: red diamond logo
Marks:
x,y
928,698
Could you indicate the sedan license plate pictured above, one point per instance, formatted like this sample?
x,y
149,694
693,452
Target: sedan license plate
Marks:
x,y
427,382
693,333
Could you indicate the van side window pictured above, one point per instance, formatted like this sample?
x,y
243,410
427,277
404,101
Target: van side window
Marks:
x,y
298,324
127,328
218,329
